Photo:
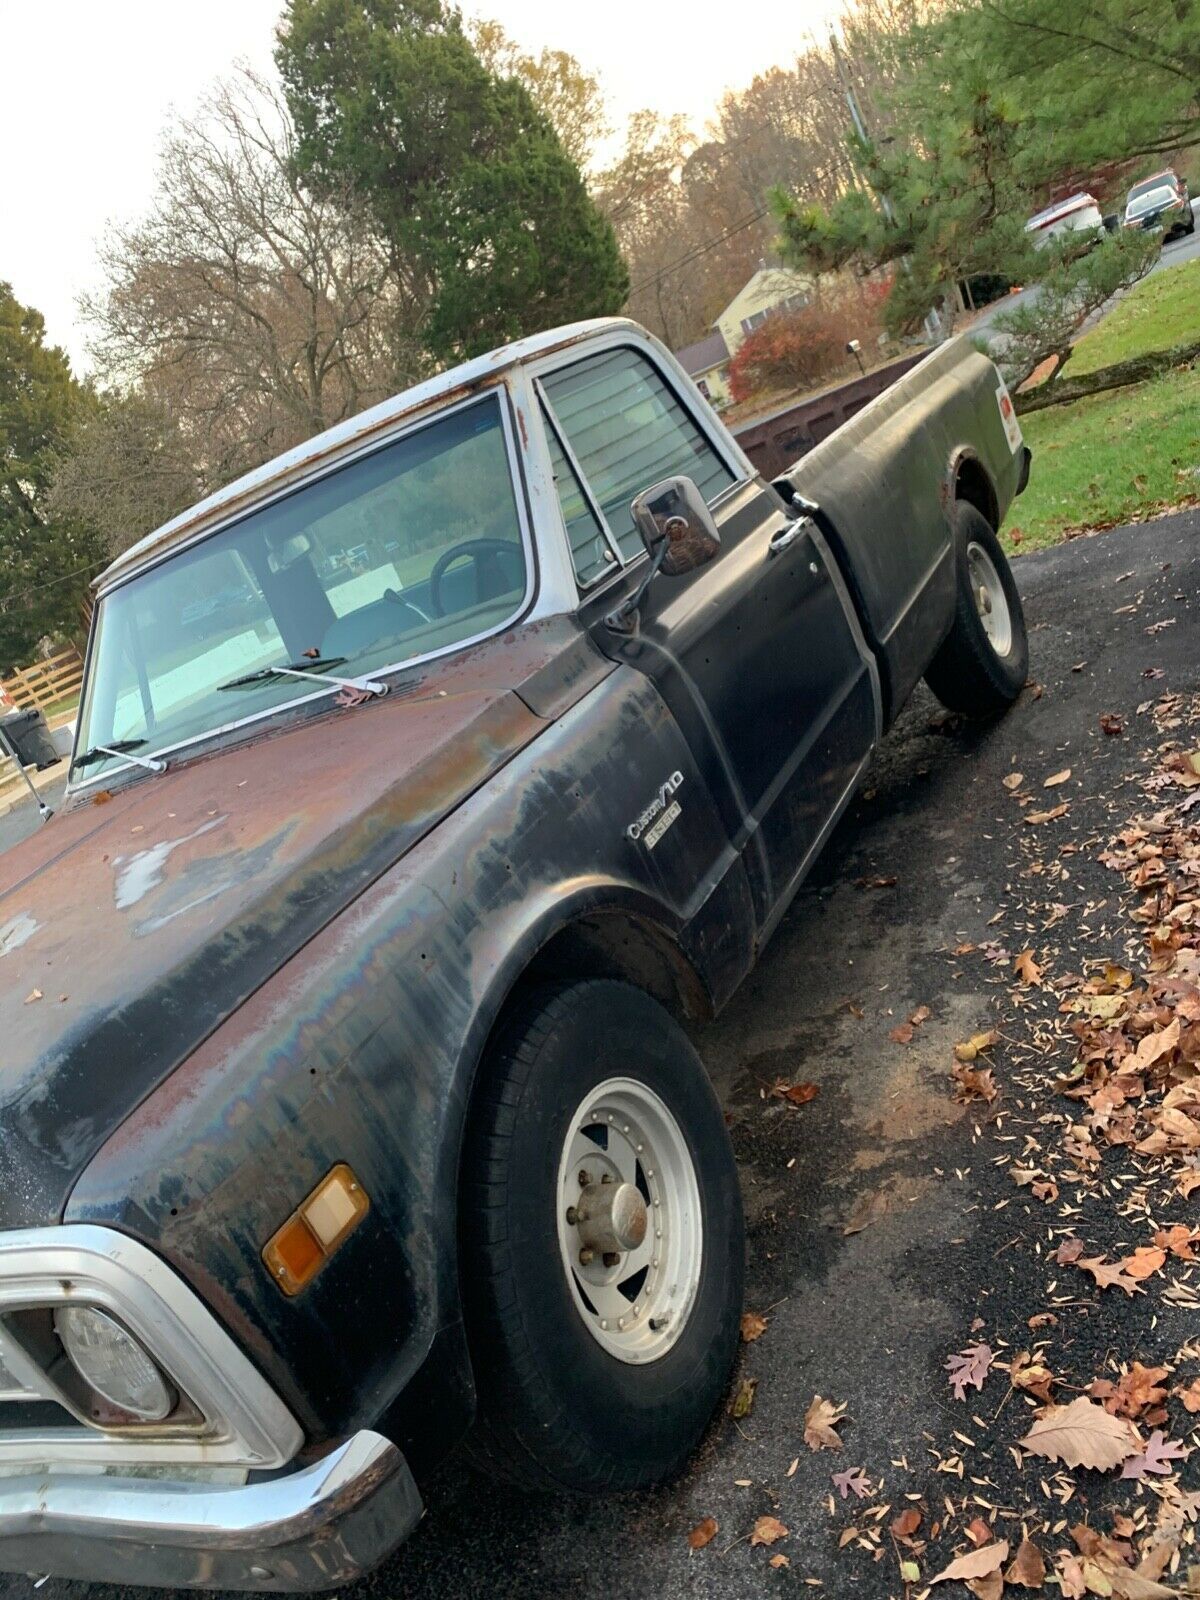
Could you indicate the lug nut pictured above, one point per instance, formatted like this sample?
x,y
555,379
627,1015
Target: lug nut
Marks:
x,y
585,1257
572,1216
584,1180
606,1177
611,1258
657,1324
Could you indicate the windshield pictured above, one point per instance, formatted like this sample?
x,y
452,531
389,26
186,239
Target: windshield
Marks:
x,y
408,551
1150,201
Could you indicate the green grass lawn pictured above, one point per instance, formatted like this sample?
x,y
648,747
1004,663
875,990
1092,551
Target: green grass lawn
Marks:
x,y
1111,458
1157,313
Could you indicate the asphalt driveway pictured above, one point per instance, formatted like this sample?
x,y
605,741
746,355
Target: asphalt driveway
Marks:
x,y
926,862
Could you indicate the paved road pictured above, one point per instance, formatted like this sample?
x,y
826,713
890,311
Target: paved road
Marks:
x,y
1185,248
866,1318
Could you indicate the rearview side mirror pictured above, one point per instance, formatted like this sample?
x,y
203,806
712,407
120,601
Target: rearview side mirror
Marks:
x,y
675,511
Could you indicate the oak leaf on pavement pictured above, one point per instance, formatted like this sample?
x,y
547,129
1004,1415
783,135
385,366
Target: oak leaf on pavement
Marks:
x,y
1081,1434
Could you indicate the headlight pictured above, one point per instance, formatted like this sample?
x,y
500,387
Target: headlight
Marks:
x,y
113,1363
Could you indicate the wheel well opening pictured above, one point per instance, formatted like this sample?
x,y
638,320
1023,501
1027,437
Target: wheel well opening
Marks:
x,y
631,948
972,484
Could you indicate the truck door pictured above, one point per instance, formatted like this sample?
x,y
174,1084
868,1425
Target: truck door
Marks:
x,y
757,653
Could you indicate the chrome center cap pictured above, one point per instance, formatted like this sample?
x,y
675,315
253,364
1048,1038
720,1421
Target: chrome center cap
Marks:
x,y
611,1217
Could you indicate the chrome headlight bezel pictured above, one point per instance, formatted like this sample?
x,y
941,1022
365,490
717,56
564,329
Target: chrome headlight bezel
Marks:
x,y
234,1417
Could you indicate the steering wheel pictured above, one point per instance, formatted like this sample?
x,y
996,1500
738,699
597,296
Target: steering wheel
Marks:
x,y
479,550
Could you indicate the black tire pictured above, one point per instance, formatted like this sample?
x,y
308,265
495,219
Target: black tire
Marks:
x,y
556,1409
968,674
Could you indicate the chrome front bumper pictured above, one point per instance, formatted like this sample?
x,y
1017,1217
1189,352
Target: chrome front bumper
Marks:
x,y
310,1529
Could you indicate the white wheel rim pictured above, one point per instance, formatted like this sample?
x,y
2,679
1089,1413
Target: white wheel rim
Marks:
x,y
636,1303
990,600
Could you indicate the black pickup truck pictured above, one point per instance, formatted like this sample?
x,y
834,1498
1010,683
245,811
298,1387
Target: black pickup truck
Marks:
x,y
427,781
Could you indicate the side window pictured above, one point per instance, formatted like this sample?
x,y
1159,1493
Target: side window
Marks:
x,y
590,550
627,430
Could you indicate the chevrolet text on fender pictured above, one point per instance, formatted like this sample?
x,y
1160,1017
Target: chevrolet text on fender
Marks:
x,y
369,1118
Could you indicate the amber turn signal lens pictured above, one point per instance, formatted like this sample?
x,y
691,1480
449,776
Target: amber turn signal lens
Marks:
x,y
318,1226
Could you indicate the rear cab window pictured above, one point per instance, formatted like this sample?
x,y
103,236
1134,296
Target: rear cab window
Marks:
x,y
615,427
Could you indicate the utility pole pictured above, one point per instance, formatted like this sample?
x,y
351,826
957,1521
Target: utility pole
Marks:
x,y
933,322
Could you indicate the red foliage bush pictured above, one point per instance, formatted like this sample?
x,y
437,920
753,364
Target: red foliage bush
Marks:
x,y
796,349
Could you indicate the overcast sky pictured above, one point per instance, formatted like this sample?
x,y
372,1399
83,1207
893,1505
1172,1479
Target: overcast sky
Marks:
x,y
90,84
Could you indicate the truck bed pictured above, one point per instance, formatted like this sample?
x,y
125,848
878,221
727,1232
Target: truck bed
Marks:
x,y
884,482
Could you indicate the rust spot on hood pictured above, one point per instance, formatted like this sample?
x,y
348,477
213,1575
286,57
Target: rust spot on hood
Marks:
x,y
148,922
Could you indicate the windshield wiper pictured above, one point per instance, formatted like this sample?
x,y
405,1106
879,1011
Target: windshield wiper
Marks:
x,y
307,668
120,750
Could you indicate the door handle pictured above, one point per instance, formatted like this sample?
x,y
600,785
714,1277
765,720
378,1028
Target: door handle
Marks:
x,y
788,535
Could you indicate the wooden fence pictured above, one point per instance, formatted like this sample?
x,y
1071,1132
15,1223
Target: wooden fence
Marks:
x,y
47,682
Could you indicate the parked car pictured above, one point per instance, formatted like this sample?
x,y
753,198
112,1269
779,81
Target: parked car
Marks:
x,y
348,1104
1161,201
1080,214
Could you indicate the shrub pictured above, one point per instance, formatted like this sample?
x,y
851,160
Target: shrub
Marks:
x,y
797,349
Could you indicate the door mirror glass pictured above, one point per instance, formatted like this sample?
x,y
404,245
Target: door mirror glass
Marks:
x,y
675,511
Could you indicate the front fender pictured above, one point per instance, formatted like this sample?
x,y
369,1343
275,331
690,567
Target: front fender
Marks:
x,y
364,1046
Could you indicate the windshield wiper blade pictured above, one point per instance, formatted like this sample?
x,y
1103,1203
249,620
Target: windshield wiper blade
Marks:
x,y
307,668
120,750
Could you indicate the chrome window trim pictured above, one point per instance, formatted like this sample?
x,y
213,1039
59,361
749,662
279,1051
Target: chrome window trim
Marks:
x,y
550,421
527,603
676,379
671,373
247,1424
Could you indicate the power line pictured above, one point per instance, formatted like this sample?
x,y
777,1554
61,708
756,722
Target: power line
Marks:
x,y
697,251
36,588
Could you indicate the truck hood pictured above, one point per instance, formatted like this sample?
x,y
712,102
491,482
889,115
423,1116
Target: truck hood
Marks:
x,y
134,924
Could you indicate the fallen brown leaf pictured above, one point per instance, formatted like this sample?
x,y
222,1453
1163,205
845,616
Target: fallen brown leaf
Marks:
x,y
703,1533
1109,1275
1179,1240
1013,780
779,1560
1048,816
1071,1580
753,1326
903,1033
820,1420
1190,1396
1147,1258
1081,1434
1137,1389
974,1083
907,1523
767,1530
979,1532
1028,1567
989,1587
976,1563
1031,1375
1026,968
796,1094
1055,778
